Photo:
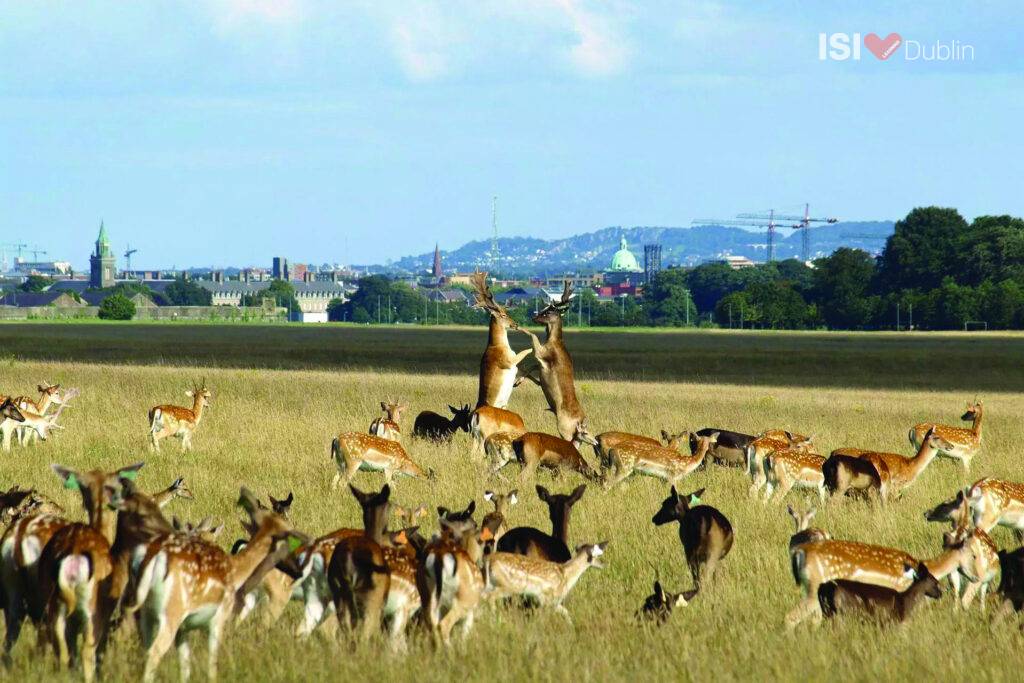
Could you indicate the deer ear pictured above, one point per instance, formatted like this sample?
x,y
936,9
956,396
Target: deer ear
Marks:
x,y
131,471
658,592
453,409
68,475
383,405
665,436
488,495
542,493
190,394
471,508
578,493
442,512
513,497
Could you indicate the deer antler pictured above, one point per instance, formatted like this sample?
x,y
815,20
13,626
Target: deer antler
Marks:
x,y
567,294
484,297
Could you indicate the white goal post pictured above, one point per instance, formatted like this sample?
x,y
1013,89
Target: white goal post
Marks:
x,y
975,325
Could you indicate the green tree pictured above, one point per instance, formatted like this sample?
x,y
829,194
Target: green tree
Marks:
x,y
736,310
796,273
709,282
35,283
922,249
670,300
841,288
280,291
780,306
184,292
117,307
992,249
336,310
376,292
1001,305
952,305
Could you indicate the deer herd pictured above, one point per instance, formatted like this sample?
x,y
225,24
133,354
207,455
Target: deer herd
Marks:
x,y
128,572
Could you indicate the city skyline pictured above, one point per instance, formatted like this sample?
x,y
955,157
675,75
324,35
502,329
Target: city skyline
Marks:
x,y
246,128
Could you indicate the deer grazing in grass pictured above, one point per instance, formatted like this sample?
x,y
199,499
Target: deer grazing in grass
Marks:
x,y
791,468
76,567
804,533
997,502
429,425
850,475
556,369
662,462
486,421
499,364
536,449
355,451
187,583
532,542
549,583
705,533
902,472
841,597
769,442
171,420
960,444
387,427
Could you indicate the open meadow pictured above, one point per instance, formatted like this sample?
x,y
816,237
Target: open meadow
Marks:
x,y
280,393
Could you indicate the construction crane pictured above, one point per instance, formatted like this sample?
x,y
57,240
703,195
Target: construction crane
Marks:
x,y
10,245
128,260
804,223
744,221
36,251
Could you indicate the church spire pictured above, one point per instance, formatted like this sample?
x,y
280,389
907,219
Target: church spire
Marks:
x,y
437,271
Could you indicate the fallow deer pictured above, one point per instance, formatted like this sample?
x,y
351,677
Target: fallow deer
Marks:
x,y
407,516
355,451
768,442
792,468
49,394
487,421
660,604
532,542
705,533
30,420
401,555
903,472
388,427
499,364
448,579
171,420
849,474
548,583
962,444
10,417
556,369
429,425
839,597
177,489
536,449
804,533
978,561
730,448
606,441
997,502
76,567
187,583
662,462
1011,581
497,520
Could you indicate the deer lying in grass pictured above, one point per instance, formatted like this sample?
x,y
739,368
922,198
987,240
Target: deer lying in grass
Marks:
x,y
997,502
769,442
549,583
170,420
177,489
960,444
76,567
497,520
842,597
438,428
849,475
705,533
606,441
662,462
536,449
387,427
354,451
532,542
487,421
804,533
791,468
499,364
659,604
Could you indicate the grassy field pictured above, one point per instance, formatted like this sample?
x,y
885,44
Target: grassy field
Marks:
x,y
282,392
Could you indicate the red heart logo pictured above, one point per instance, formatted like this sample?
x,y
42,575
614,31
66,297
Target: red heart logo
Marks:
x,y
883,49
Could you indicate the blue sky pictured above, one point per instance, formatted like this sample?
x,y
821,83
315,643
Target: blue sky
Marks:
x,y
218,132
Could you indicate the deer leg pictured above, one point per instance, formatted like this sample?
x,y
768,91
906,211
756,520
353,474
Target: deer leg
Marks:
x,y
213,640
809,606
954,582
14,615
184,656
968,596
467,624
90,625
448,622
158,647
59,631
621,474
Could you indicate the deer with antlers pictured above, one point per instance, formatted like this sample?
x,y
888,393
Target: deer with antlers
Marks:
x,y
387,427
170,420
962,444
499,364
556,369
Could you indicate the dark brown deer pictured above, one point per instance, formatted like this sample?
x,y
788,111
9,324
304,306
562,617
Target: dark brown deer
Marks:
x,y
556,369
848,475
430,425
500,364
705,533
527,540
730,448
659,604
842,597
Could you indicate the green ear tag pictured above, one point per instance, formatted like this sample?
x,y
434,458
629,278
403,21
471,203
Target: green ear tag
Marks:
x,y
694,500
71,482
294,543
130,475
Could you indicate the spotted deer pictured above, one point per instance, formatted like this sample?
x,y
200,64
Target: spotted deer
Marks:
x,y
30,420
556,369
187,583
768,442
355,451
487,421
705,533
401,554
448,579
497,520
903,472
961,444
170,420
429,425
548,583
499,364
177,489
851,475
791,468
387,427
978,558
76,567
500,450
663,462
526,540
997,502
606,441
49,394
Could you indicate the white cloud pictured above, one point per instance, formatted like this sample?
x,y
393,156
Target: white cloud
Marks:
x,y
230,14
421,39
602,49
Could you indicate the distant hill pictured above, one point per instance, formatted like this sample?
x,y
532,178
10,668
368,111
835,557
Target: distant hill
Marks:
x,y
524,256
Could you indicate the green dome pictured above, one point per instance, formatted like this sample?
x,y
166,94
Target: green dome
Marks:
x,y
624,261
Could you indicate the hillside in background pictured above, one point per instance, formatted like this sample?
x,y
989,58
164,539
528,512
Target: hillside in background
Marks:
x,y
680,246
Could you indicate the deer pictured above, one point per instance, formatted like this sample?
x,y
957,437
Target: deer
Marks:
x,y
532,542
488,420
805,533
49,394
10,417
388,427
849,474
978,561
903,472
839,597
705,533
187,583
171,420
556,369
606,441
177,489
660,604
1011,581
76,567
997,502
765,443
791,468
548,583
536,449
433,427
355,451
730,447
30,420
500,450
497,520
662,462
962,444
499,364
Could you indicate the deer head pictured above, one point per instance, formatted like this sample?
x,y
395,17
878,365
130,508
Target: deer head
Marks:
x,y
552,313
96,487
9,411
485,300
283,505
393,409
200,394
973,410
801,519
583,435
676,506
460,416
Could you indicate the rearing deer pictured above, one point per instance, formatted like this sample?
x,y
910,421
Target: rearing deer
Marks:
x,y
556,370
171,420
499,364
